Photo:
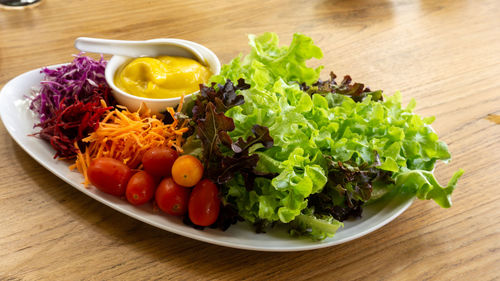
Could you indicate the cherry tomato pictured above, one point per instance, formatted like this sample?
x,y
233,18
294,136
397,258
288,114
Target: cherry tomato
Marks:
x,y
140,188
204,203
187,170
158,161
109,175
171,197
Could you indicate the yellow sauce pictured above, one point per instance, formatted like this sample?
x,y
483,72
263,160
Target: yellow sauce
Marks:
x,y
162,77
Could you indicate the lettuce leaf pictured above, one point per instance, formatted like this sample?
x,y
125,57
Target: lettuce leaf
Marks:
x,y
424,185
267,62
315,227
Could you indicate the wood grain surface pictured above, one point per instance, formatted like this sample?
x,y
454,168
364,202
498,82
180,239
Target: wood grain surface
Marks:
x,y
445,54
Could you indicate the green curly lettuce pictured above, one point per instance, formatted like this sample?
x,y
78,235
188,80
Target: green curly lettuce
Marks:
x,y
317,227
306,128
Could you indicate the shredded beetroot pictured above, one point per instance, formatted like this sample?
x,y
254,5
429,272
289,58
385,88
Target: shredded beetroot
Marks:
x,y
70,124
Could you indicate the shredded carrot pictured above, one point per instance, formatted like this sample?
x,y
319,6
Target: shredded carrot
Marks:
x,y
126,136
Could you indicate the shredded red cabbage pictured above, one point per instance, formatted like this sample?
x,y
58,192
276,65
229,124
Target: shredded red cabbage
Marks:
x,y
65,85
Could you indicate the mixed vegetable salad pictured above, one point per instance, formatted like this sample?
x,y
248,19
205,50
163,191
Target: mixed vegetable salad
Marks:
x,y
266,142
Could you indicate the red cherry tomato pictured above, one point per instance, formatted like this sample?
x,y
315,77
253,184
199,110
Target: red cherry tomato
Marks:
x,y
204,203
109,175
140,188
187,170
158,161
171,197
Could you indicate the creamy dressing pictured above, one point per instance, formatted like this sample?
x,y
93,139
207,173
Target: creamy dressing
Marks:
x,y
162,77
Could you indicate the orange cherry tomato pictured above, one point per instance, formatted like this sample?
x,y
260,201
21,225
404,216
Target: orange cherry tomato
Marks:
x,y
187,170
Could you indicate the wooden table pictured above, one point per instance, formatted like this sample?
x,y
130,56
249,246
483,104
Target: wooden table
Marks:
x,y
445,54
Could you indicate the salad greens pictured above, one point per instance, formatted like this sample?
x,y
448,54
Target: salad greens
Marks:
x,y
333,147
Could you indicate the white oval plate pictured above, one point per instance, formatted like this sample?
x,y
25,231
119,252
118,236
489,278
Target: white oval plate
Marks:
x,y
19,121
